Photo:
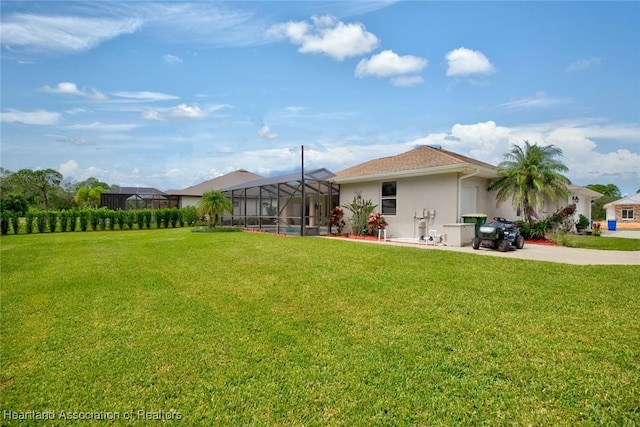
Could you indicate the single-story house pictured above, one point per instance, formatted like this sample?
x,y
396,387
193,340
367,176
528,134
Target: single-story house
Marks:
x,y
432,191
624,212
191,195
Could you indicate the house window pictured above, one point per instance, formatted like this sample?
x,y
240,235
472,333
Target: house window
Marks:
x,y
388,199
627,213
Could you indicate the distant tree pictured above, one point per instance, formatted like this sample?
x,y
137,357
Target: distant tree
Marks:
x,y
89,197
42,182
530,174
610,190
213,204
92,183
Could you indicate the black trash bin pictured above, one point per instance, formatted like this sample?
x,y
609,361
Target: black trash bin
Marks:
x,y
475,218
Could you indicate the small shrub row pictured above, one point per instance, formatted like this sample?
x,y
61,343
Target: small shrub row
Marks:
x,y
96,219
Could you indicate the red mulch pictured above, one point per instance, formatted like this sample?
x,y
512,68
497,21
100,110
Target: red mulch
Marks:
x,y
542,242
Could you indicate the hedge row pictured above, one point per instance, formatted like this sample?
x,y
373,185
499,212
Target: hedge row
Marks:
x,y
96,219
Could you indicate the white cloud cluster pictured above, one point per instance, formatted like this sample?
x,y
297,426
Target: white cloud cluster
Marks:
x,y
389,64
489,142
171,59
179,112
39,117
327,35
265,133
68,88
463,62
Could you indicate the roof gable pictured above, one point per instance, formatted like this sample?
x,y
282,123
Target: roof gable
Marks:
x,y
634,199
421,158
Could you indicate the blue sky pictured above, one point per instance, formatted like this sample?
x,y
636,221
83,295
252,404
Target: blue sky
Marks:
x,y
169,94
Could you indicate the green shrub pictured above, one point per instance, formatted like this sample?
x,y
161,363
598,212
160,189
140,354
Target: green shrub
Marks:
x,y
121,218
189,215
15,222
129,219
140,218
64,220
158,217
360,210
111,219
29,218
41,221
73,219
94,219
84,215
535,229
174,216
52,220
4,221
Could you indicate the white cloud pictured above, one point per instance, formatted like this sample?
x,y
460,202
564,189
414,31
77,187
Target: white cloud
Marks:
x,y
105,127
488,142
327,35
68,168
182,111
467,62
388,63
406,81
39,117
143,96
583,64
67,88
539,100
172,59
62,33
265,133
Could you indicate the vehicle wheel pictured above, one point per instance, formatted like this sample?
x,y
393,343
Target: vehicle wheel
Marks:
x,y
519,242
475,244
504,246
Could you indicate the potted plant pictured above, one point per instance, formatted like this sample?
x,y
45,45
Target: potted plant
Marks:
x,y
582,223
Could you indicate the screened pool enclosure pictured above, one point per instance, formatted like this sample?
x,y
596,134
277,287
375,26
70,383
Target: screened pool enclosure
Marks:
x,y
298,203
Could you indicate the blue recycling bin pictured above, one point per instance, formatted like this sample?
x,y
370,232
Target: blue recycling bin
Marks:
x,y
611,224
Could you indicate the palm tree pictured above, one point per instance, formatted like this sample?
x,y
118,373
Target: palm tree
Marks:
x,y
530,174
214,204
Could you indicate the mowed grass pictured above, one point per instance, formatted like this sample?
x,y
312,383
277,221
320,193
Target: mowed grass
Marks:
x,y
252,329
603,243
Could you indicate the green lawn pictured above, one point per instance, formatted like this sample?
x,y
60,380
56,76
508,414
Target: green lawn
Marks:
x,y
251,329
600,243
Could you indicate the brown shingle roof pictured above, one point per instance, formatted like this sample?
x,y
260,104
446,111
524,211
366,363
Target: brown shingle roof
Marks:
x,y
420,158
234,178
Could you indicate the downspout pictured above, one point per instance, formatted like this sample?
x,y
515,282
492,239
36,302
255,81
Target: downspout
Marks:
x,y
476,172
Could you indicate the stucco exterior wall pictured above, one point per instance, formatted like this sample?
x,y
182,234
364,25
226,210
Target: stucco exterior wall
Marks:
x,y
415,197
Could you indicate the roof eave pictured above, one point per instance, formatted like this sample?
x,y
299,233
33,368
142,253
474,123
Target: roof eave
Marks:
x,y
460,167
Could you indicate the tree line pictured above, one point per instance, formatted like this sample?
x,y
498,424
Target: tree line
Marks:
x,y
46,190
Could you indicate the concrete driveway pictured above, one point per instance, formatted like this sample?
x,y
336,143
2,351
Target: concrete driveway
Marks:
x,y
536,252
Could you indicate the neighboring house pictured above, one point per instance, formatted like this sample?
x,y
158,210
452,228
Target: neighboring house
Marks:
x,y
582,197
126,198
431,190
191,195
625,212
